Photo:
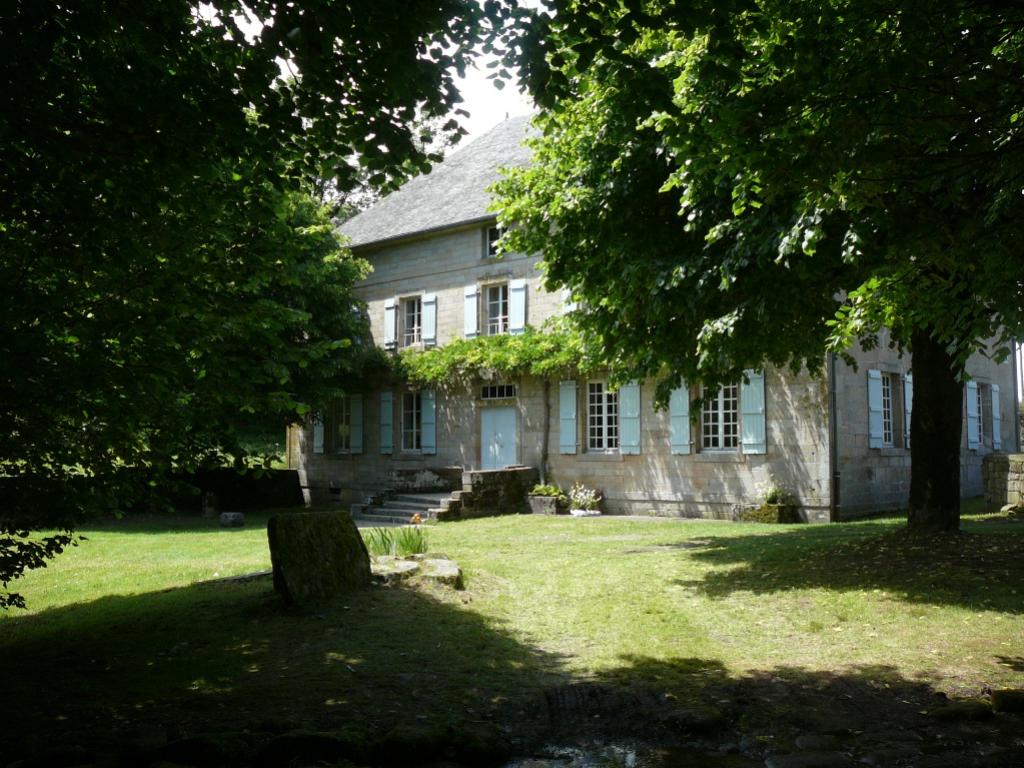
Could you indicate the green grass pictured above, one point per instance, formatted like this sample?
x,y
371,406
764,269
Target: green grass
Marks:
x,y
404,541
117,633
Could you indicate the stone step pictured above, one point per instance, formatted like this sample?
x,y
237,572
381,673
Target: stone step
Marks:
x,y
419,498
411,506
395,514
378,518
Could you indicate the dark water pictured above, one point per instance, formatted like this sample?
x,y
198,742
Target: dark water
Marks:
x,y
612,756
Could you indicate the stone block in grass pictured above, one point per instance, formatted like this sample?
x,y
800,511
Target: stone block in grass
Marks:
x,y
317,556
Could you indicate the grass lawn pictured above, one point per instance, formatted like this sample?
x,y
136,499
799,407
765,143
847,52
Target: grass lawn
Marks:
x,y
118,636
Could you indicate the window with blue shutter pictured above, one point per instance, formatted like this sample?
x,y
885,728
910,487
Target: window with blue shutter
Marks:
x,y
629,418
908,407
429,319
567,417
355,423
517,306
679,419
997,420
390,323
875,410
387,402
318,436
973,415
471,311
752,405
428,422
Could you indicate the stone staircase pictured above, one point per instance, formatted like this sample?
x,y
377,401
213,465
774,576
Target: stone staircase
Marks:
x,y
399,508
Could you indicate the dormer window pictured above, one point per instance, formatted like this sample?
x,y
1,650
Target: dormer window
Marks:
x,y
493,236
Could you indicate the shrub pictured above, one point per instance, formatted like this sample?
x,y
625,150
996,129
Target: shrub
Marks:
x,y
399,542
547,490
770,513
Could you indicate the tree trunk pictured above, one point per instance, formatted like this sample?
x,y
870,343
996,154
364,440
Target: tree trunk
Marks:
x,y
935,432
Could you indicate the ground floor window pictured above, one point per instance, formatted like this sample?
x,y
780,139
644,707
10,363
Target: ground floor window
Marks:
x,y
888,415
602,417
412,422
720,418
341,425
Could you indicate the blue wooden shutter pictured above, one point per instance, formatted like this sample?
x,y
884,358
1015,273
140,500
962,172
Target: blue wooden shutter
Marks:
x,y
356,421
875,430
471,311
567,417
973,417
516,306
997,420
318,436
679,418
752,403
629,418
428,422
908,406
390,323
429,319
387,421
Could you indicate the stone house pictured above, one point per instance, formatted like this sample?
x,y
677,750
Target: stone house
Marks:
x,y
838,440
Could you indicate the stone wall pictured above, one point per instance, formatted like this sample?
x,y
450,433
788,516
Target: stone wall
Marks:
x,y
1003,478
490,492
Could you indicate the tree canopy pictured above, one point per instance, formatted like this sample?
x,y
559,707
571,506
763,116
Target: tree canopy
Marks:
x,y
165,268
729,184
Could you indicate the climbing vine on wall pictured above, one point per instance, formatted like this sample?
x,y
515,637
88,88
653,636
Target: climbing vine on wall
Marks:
x,y
557,349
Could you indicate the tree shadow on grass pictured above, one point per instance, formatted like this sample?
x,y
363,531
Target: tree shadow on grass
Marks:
x,y
401,669
979,568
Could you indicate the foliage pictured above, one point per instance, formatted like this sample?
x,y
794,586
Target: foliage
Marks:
x,y
552,491
770,512
724,185
581,497
165,268
773,493
555,350
400,542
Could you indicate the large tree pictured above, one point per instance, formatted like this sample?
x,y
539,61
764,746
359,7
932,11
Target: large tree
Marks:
x,y
730,183
164,269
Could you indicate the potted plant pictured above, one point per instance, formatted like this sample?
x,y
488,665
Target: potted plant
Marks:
x,y
583,501
547,500
779,506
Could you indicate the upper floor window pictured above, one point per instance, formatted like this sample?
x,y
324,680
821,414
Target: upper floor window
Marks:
x,y
412,422
412,321
720,418
496,307
493,236
602,417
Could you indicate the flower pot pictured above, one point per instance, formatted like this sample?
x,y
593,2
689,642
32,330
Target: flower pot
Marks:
x,y
543,505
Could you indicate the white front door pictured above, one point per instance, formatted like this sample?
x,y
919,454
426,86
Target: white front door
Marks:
x,y
497,438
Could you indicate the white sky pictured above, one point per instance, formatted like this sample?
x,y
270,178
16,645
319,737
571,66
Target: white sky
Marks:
x,y
486,104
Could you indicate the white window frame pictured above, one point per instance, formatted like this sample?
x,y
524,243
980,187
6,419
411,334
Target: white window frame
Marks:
x,y
491,237
715,435
888,413
984,394
602,418
341,416
412,422
412,332
496,297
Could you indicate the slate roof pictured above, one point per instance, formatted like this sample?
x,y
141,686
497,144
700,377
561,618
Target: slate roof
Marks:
x,y
454,192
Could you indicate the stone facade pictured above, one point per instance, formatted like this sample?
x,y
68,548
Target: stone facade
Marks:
x,y
841,448
873,479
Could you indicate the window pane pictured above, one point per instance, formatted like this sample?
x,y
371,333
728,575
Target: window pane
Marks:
x,y
411,421
595,416
886,409
497,309
412,320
